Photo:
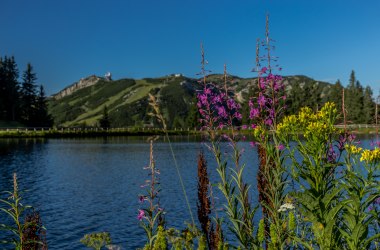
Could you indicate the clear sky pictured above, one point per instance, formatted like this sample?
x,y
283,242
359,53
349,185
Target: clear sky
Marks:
x,y
71,39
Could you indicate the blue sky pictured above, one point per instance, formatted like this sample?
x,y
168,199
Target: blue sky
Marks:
x,y
71,39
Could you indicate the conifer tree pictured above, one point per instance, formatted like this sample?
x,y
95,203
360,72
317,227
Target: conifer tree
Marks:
x,y
104,122
192,119
335,95
368,106
2,89
42,118
28,96
10,96
354,100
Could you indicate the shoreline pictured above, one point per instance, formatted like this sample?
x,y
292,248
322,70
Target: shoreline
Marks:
x,y
98,132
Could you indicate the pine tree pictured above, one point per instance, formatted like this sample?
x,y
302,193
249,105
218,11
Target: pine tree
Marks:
x,y
10,96
368,106
359,100
28,96
2,90
104,122
350,97
335,96
177,122
192,119
354,100
42,118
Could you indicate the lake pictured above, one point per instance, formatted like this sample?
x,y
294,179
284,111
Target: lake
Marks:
x,y
92,185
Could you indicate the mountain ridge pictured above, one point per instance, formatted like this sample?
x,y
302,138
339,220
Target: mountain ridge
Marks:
x,y
82,103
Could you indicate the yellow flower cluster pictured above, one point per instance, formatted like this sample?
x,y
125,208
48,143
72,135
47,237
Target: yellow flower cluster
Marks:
x,y
320,124
371,156
258,132
328,111
352,149
288,125
319,129
305,116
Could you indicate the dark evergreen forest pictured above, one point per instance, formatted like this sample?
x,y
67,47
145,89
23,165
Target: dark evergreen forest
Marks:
x,y
22,101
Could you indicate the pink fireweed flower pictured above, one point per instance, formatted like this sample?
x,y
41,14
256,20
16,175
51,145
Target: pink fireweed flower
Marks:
x,y
141,215
280,147
216,99
268,122
238,116
232,104
202,99
222,112
264,70
254,113
261,100
207,91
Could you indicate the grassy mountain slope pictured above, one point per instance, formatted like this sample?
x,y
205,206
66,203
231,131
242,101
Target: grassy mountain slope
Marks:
x,y
127,99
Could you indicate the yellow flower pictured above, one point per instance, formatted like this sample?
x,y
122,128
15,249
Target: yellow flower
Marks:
x,y
318,125
288,125
305,116
371,156
353,149
258,132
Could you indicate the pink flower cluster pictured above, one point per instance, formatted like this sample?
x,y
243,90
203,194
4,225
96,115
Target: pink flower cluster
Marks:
x,y
265,108
216,108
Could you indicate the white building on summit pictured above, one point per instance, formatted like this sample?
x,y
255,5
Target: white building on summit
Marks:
x,y
108,76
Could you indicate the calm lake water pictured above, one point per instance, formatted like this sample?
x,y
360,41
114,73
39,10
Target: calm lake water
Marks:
x,y
92,185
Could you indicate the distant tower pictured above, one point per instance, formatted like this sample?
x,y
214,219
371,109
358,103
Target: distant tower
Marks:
x,y
108,76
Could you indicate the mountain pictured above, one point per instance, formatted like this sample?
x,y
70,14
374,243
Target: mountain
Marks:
x,y
82,103
82,83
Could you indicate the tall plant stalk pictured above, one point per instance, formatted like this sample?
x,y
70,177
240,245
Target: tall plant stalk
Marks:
x,y
158,115
151,217
218,111
15,210
265,110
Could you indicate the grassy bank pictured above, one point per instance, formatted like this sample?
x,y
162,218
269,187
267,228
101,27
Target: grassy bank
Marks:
x,y
91,132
